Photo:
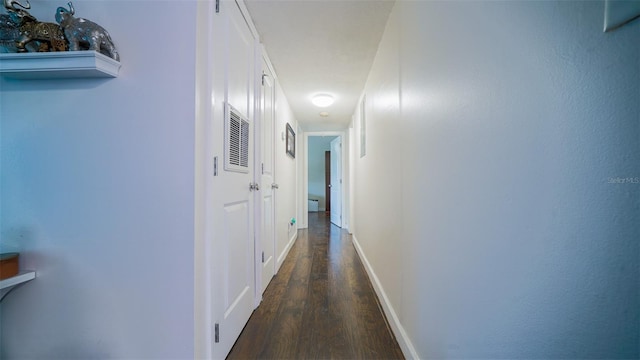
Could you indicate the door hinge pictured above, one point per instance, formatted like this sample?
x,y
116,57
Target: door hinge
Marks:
x,y
263,257
263,75
215,166
263,168
217,6
216,336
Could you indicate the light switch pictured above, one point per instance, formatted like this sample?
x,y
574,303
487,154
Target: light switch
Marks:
x,y
620,12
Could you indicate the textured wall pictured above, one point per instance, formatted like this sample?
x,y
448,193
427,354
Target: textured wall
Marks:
x,y
516,237
286,177
98,195
377,178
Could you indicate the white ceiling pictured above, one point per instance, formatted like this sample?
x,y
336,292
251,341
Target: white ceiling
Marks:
x,y
321,47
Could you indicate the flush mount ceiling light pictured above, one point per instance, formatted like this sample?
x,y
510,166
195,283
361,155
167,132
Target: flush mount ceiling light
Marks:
x,y
322,100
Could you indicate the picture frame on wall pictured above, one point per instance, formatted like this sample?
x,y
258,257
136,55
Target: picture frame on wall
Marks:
x,y
291,141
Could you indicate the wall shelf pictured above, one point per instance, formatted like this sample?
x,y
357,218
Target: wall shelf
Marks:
x,y
11,283
58,65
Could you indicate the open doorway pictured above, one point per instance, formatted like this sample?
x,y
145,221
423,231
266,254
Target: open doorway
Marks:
x,y
319,173
324,180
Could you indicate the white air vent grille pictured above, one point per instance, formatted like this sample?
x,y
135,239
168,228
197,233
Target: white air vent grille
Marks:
x,y
236,141
244,144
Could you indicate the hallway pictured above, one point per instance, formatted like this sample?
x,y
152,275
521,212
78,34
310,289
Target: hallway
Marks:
x,y
320,305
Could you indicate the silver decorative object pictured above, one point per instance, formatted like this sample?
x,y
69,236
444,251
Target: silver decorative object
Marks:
x,y
21,32
84,34
9,32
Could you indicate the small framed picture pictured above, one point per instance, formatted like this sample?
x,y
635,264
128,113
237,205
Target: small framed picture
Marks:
x,y
291,142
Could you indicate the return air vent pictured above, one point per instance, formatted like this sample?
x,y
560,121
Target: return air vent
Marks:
x,y
236,157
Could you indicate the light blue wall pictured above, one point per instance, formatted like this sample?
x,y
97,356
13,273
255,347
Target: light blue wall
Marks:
x,y
494,132
98,195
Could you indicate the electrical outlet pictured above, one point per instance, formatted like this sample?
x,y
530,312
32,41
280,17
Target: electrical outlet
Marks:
x,y
620,12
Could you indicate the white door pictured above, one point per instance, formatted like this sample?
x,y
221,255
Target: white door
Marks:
x,y
336,181
267,183
233,250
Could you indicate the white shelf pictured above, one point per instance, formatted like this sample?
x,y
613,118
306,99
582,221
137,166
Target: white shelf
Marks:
x,y
58,65
7,285
23,276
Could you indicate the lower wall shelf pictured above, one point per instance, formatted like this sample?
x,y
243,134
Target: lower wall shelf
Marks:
x,y
11,283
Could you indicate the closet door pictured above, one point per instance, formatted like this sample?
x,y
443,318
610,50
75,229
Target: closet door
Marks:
x,y
267,168
234,247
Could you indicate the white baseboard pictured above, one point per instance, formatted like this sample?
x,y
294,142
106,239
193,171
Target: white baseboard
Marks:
x,y
401,335
285,252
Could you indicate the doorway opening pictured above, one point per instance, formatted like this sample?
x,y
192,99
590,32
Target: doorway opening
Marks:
x,y
324,177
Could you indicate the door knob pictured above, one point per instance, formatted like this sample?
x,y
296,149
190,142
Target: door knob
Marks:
x,y
329,185
275,186
254,186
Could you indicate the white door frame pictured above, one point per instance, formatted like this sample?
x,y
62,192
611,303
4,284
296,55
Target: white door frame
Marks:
x,y
305,176
203,290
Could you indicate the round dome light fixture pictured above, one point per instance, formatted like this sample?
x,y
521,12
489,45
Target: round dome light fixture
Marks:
x,y
322,100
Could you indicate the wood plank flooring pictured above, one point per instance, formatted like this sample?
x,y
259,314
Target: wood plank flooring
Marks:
x,y
320,305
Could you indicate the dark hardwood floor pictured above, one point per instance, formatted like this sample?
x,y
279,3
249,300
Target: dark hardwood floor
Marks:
x,y
320,305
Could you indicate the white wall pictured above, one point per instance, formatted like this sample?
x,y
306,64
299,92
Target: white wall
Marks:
x,y
286,177
98,195
377,177
493,131
316,187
